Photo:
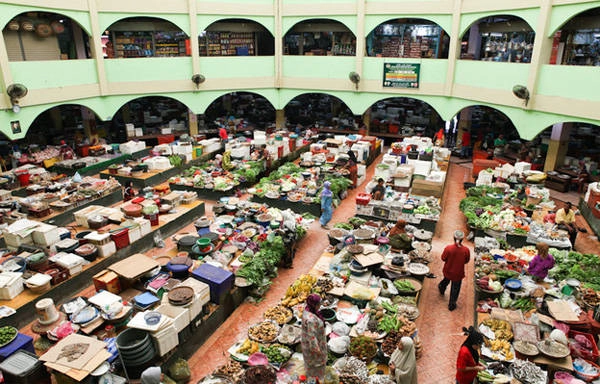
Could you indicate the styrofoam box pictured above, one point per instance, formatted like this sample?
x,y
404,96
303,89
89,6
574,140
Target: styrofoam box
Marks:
x,y
361,170
14,240
107,249
97,238
145,227
70,261
180,315
134,234
165,131
45,234
165,339
485,176
422,167
11,284
139,132
5,195
522,166
183,148
81,216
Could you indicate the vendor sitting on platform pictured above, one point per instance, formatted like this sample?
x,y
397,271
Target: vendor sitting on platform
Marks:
x,y
565,219
378,192
399,239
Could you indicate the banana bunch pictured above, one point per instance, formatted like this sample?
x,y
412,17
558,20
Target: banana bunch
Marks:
x,y
248,347
299,290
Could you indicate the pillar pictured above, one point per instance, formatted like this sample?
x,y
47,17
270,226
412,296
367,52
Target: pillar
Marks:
x,y
56,116
474,49
366,118
558,146
192,122
280,122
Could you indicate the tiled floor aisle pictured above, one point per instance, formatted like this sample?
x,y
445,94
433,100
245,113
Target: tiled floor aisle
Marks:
x,y
439,329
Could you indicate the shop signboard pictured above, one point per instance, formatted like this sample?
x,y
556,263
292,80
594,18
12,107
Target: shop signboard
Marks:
x,y
401,75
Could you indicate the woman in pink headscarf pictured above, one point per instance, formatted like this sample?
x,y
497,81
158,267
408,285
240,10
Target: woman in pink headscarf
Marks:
x,y
314,341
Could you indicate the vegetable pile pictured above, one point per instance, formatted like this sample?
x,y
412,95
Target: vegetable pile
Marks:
x,y
363,348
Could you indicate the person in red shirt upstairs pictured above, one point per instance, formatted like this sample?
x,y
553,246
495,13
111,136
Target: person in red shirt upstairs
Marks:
x,y
455,257
467,363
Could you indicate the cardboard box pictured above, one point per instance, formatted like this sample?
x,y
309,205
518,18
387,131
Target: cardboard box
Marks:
x,y
427,188
108,281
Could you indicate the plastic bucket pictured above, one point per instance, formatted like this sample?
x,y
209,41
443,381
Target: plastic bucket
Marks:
x,y
121,238
153,218
23,178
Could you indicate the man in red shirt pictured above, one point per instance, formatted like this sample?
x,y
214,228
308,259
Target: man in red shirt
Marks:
x,y
455,257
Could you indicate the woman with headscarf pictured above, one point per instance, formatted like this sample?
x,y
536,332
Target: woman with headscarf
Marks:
x,y
467,363
403,362
314,340
326,205
399,239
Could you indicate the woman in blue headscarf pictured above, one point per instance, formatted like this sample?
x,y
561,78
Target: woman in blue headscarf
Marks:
x,y
326,204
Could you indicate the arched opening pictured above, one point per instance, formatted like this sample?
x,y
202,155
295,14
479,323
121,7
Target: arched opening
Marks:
x,y
408,38
70,122
398,117
319,37
499,38
236,37
577,42
144,37
38,36
490,134
326,112
581,141
146,118
243,111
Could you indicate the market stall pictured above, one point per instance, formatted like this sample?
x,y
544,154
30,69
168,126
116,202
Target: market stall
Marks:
x,y
515,215
176,299
53,198
365,316
298,188
105,156
165,161
536,330
104,235
237,169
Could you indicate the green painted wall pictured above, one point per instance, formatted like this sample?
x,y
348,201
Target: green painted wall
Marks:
x,y
54,74
577,81
237,66
325,67
484,74
148,69
432,70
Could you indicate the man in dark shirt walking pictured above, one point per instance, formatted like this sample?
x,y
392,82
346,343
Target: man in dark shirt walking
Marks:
x,y
455,257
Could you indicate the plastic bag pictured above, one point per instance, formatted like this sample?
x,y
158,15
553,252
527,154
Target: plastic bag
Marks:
x,y
180,370
158,241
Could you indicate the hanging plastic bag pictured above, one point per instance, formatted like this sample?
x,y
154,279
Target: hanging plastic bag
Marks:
x,y
180,370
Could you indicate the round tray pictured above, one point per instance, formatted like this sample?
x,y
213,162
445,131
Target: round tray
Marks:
x,y
16,333
489,291
268,324
269,314
526,348
418,269
289,334
181,295
85,315
355,249
553,349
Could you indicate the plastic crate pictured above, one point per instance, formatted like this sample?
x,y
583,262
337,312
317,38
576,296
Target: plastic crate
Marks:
x,y
219,280
23,367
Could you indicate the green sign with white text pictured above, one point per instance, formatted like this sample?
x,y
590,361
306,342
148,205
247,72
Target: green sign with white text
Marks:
x,y
401,75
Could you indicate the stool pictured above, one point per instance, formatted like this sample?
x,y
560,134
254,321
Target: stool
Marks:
x,y
22,341
178,271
